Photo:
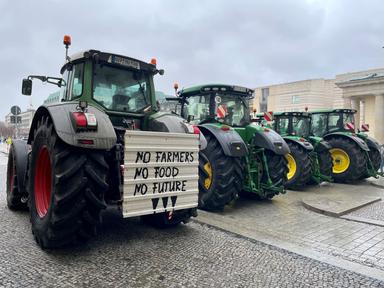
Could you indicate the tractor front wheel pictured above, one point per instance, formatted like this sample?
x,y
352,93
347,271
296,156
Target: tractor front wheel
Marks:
x,y
299,166
66,186
220,176
349,162
17,163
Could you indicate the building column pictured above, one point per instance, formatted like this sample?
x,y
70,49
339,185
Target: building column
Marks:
x,y
355,104
379,118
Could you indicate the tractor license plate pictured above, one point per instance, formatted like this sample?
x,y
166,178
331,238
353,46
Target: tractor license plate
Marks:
x,y
160,172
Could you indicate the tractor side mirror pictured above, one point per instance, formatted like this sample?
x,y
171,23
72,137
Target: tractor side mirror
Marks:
x,y
27,87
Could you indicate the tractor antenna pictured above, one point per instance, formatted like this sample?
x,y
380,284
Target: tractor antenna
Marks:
x,y
67,43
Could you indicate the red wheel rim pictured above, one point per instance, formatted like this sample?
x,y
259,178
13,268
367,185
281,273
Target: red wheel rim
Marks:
x,y
43,181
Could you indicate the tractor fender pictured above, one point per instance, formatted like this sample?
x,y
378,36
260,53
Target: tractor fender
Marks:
x,y
21,160
303,143
163,122
372,143
103,138
360,142
322,146
229,140
270,139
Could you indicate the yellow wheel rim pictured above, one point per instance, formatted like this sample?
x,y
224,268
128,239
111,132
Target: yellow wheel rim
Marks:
x,y
340,159
208,181
292,167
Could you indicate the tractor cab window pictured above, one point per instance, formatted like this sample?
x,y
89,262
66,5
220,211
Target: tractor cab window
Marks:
x,y
198,108
63,88
337,121
348,118
231,110
300,126
121,90
282,125
77,80
319,124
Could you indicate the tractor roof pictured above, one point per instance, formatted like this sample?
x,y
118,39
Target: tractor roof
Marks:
x,y
113,59
323,111
292,113
209,88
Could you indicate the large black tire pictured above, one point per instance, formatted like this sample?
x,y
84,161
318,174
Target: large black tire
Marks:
x,y
325,163
277,167
66,186
227,176
357,167
302,162
375,156
168,219
17,163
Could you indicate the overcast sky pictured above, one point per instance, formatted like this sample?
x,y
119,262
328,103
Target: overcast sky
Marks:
x,y
250,43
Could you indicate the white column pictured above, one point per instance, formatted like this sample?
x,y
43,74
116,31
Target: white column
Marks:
x,y
355,104
379,118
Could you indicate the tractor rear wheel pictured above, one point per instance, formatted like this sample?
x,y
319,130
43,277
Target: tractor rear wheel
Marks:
x,y
220,176
277,168
349,162
325,163
66,186
17,162
375,156
299,166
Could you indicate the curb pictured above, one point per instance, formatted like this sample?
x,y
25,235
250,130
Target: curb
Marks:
x,y
363,220
341,213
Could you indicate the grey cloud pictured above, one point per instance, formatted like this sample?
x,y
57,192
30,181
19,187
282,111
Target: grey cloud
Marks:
x,y
250,43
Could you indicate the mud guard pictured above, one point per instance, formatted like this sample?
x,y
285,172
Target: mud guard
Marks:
x,y
322,146
21,160
231,142
271,140
372,143
173,123
305,144
103,138
360,142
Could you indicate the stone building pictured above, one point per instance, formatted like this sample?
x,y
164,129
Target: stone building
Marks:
x,y
362,90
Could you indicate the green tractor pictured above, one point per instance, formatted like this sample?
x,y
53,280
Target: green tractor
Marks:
x,y
355,155
241,156
310,160
103,145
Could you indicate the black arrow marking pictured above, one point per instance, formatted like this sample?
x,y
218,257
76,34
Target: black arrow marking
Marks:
x,y
173,199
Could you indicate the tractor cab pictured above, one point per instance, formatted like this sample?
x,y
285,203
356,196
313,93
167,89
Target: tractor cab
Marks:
x,y
292,124
216,103
331,121
119,85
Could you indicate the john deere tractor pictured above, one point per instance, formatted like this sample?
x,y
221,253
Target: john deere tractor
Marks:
x,y
355,155
104,144
310,160
240,156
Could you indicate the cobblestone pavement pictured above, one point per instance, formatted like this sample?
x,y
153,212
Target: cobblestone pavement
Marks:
x,y
374,211
286,220
127,253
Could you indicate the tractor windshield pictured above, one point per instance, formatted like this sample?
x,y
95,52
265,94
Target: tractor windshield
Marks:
x,y
324,123
120,89
301,126
338,121
224,108
292,125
